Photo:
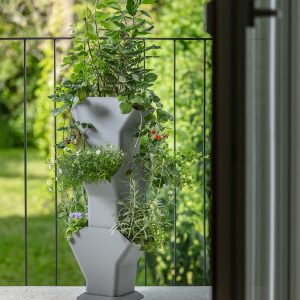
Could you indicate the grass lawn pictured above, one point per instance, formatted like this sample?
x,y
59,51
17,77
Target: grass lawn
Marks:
x,y
40,201
41,222
41,226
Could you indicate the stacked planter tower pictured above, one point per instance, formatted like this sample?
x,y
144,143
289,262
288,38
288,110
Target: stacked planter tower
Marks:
x,y
106,258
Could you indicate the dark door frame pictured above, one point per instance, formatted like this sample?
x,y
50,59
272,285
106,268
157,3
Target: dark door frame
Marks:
x,y
230,19
228,206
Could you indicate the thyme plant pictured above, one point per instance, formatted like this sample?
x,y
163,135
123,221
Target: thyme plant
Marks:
x,y
91,165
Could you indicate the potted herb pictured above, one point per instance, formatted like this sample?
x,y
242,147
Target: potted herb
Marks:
x,y
115,147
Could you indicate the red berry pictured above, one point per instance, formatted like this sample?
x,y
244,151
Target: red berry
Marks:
x,y
153,131
157,137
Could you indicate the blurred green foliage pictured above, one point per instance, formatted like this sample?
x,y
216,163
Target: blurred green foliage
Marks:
x,y
175,18
185,19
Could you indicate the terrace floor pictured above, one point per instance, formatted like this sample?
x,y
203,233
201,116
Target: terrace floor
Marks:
x,y
70,293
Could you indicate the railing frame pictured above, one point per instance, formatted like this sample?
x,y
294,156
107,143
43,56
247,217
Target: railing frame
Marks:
x,y
204,40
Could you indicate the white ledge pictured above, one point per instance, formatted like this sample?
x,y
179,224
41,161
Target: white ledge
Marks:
x,y
70,293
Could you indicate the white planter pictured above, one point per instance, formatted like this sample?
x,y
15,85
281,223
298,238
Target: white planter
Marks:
x,y
108,261
102,204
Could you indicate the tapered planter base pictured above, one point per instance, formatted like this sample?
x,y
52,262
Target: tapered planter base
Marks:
x,y
131,296
107,260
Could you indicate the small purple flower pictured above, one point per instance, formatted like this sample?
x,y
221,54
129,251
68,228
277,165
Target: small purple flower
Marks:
x,y
75,215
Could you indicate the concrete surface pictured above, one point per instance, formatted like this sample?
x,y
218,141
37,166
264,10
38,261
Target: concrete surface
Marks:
x,y
70,293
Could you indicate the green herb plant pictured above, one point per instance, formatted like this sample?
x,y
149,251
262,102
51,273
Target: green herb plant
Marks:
x,y
74,168
108,58
143,218
144,223
90,165
73,212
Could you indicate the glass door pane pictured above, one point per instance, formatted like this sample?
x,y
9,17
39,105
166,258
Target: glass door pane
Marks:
x,y
267,157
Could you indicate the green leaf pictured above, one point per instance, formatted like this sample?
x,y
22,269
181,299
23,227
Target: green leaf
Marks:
x,y
66,60
122,79
101,16
122,98
135,77
65,81
125,107
52,96
59,110
62,128
152,47
61,145
87,125
138,99
150,77
105,3
145,13
56,111
75,100
108,25
119,24
92,36
114,6
148,1
81,95
66,98
149,28
132,6
163,116
155,98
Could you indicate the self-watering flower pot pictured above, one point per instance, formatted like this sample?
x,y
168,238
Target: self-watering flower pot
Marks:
x,y
107,259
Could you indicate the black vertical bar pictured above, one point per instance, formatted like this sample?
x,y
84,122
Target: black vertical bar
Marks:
x,y
145,256
174,128
25,161
55,168
228,149
204,159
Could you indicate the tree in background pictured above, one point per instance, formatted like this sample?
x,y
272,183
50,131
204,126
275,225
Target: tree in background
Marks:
x,y
28,18
15,16
60,18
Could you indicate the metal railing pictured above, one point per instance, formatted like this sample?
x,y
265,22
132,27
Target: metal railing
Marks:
x,y
174,40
